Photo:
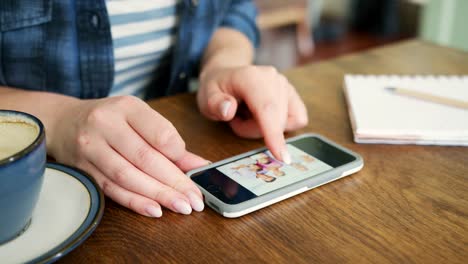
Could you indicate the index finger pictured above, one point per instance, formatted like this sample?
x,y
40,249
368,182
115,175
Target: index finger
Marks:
x,y
156,130
269,108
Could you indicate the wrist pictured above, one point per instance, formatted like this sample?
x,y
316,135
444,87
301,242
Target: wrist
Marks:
x,y
57,117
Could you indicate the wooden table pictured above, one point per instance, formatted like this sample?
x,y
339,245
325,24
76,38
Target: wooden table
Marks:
x,y
408,204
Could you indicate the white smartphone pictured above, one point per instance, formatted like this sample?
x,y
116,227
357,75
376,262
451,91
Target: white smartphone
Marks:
x,y
250,181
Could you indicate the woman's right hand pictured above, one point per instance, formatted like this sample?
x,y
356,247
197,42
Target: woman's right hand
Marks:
x,y
135,154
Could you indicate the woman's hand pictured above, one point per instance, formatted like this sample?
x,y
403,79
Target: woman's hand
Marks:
x,y
134,153
272,105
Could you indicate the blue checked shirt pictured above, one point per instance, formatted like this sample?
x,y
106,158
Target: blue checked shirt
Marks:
x,y
65,46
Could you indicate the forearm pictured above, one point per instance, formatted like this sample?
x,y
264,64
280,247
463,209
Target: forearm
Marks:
x,y
45,106
227,48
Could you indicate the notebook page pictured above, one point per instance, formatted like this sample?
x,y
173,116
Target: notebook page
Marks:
x,y
380,114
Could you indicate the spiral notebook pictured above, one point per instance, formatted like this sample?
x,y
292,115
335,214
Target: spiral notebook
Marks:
x,y
379,116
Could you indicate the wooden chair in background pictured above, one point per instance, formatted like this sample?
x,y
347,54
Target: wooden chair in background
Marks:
x,y
277,13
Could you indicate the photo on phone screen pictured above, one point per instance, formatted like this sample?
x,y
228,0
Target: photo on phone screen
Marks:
x,y
261,173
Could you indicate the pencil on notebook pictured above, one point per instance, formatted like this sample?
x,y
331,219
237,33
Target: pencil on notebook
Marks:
x,y
429,97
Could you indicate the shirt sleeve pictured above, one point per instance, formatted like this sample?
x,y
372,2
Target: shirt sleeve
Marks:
x,y
241,15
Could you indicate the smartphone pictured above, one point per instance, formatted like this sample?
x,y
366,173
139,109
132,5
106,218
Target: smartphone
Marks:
x,y
250,181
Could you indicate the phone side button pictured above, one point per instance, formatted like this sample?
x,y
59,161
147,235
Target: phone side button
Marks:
x,y
212,205
267,203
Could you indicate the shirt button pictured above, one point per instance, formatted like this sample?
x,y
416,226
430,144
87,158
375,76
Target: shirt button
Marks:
x,y
182,75
194,2
94,20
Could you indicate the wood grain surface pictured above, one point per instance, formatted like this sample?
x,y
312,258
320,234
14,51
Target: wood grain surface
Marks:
x,y
408,205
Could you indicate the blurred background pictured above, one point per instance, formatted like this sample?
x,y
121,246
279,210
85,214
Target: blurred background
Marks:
x,y
296,32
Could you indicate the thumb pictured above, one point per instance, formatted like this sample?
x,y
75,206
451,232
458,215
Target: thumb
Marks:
x,y
218,105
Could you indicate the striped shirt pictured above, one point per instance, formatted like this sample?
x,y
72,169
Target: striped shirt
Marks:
x,y
143,35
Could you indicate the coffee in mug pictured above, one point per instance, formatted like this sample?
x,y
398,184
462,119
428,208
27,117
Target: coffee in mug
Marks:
x,y
15,135
22,166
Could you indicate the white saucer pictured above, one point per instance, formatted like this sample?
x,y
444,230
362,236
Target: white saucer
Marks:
x,y
70,207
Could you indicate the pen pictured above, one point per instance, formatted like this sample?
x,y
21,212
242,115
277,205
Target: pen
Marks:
x,y
428,97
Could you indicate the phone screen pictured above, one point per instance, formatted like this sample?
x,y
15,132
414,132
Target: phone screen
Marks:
x,y
260,173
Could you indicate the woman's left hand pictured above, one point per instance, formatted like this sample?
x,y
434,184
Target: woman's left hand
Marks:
x,y
256,101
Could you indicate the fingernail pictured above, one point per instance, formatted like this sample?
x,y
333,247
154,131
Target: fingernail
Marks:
x,y
153,211
225,108
197,203
208,162
286,157
182,207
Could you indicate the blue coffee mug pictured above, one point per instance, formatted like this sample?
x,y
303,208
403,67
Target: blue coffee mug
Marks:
x,y
21,177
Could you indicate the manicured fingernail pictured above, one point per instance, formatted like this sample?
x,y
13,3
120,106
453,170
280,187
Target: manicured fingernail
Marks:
x,y
197,203
182,207
225,108
286,157
153,211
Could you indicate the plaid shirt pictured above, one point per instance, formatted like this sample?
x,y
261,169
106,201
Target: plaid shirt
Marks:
x,y
65,46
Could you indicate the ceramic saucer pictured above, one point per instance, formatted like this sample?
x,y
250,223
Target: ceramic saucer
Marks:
x,y
69,208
